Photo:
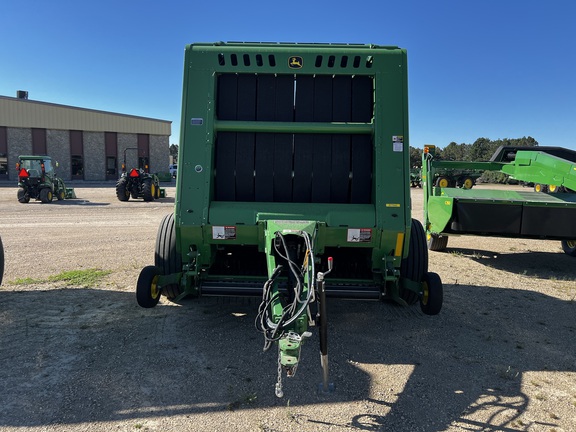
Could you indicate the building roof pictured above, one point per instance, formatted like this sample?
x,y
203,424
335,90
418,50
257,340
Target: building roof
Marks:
x,y
25,113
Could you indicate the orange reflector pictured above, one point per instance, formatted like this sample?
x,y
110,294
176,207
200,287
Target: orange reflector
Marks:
x,y
23,173
399,244
134,173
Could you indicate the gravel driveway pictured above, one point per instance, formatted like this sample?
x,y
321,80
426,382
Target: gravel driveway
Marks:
x,y
501,356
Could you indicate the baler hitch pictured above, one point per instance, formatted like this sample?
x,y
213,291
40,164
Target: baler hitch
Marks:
x,y
283,317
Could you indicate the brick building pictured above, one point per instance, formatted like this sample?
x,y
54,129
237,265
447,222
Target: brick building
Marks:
x,y
87,144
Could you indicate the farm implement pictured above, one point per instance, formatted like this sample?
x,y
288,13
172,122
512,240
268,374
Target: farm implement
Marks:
x,y
37,180
293,186
505,213
138,183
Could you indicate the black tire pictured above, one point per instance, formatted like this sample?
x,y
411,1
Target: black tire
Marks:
x,y
23,196
432,294
61,195
443,182
148,190
46,195
467,183
166,256
415,265
569,247
436,242
147,293
538,187
1,261
122,192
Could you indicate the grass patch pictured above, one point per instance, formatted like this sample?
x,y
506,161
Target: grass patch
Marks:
x,y
25,281
82,278
85,278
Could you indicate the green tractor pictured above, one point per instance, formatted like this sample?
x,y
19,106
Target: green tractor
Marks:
x,y
137,183
37,180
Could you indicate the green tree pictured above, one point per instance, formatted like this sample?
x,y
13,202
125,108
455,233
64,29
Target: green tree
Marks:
x,y
456,152
481,150
415,157
174,152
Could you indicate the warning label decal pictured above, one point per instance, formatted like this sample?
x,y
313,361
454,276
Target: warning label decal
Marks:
x,y
359,235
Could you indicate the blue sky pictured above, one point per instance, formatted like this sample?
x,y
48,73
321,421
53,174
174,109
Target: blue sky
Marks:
x,y
494,69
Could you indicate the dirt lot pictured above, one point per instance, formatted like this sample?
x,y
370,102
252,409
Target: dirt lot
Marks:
x,y
500,356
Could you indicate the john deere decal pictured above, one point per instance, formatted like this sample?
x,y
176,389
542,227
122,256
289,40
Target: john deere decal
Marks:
x,y
295,62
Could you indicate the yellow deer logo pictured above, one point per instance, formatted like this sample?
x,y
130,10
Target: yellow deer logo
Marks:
x,y
295,62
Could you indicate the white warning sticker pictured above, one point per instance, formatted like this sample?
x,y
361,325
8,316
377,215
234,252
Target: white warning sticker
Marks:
x,y
398,143
224,232
359,235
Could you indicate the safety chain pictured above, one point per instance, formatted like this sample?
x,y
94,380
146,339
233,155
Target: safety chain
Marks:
x,y
278,390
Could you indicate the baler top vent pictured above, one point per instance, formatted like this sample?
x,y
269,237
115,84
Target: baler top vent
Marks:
x,y
331,61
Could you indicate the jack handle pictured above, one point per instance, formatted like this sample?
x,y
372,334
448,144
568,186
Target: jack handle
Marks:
x,y
323,324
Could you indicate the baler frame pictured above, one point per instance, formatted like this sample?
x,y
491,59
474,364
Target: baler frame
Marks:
x,y
305,142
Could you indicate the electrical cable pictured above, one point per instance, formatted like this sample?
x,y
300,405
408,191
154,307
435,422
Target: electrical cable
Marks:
x,y
273,331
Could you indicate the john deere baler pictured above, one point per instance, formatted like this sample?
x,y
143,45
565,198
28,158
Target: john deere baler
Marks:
x,y
293,157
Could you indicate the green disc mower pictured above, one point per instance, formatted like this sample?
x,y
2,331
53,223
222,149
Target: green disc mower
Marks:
x,y
547,212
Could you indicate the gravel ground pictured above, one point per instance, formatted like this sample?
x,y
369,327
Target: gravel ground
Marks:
x,y
501,356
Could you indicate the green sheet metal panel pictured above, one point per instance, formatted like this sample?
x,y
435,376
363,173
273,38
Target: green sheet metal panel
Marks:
x,y
503,212
264,127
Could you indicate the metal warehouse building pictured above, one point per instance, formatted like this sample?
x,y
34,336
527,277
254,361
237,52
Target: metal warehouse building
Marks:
x,y
87,144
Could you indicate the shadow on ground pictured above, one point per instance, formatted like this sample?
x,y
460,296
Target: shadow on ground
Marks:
x,y
86,355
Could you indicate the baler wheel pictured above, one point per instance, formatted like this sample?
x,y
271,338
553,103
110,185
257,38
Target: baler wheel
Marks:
x,y
122,192
147,293
569,247
166,257
432,294
1,261
415,266
23,196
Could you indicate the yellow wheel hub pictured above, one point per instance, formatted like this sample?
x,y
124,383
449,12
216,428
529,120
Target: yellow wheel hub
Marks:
x,y
154,292
425,293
